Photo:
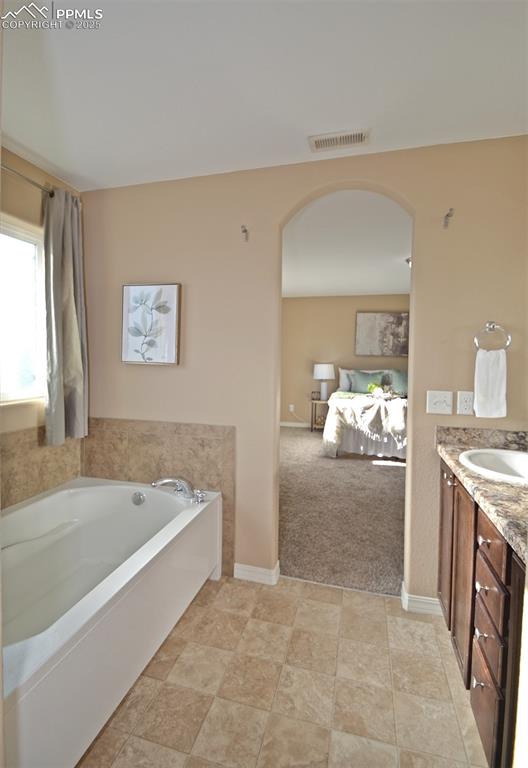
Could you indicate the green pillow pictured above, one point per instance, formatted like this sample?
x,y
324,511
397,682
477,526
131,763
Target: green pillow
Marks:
x,y
399,382
360,380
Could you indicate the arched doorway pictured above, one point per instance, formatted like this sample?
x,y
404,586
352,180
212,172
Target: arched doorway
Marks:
x,y
345,310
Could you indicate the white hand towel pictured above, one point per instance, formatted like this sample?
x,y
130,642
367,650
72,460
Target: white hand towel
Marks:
x,y
490,383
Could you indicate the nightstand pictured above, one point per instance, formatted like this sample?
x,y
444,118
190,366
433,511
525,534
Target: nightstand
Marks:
x,y
314,419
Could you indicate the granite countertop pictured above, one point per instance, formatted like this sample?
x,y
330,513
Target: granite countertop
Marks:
x,y
506,505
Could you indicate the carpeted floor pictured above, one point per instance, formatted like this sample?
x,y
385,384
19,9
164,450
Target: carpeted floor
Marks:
x,y
341,520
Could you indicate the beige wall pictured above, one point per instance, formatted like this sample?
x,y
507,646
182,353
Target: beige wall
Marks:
x,y
24,201
323,329
19,198
189,231
116,450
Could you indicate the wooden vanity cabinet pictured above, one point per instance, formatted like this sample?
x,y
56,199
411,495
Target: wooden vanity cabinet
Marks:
x,y
463,577
481,589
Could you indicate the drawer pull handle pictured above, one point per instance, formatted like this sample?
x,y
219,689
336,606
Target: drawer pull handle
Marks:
x,y
481,540
452,483
479,634
480,588
477,684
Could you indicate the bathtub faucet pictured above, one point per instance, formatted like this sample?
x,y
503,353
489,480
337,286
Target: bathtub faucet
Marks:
x,y
180,486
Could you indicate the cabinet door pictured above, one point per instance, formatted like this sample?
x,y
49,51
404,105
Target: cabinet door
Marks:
x,y
487,705
445,544
462,596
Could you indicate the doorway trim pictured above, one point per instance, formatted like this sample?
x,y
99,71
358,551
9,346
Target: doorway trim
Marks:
x,y
317,193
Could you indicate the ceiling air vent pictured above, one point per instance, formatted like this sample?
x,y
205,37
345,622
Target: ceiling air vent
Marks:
x,y
328,141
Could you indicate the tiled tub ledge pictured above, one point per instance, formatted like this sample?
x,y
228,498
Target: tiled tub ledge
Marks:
x,y
141,451
125,449
506,505
29,467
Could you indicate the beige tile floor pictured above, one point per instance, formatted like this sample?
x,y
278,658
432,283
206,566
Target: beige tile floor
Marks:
x,y
295,676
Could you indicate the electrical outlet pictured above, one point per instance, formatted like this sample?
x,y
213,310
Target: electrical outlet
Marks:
x,y
439,401
465,403
291,408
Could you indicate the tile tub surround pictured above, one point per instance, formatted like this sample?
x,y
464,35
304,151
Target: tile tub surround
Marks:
x,y
142,451
506,505
28,466
285,692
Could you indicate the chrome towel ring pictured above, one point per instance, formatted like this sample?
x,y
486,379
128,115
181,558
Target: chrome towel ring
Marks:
x,y
492,327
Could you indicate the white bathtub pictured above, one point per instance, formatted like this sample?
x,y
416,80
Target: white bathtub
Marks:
x,y
86,603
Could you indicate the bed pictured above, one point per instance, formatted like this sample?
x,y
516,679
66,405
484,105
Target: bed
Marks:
x,y
368,414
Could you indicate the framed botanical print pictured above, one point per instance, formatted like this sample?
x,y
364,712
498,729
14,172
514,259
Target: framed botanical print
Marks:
x,y
151,324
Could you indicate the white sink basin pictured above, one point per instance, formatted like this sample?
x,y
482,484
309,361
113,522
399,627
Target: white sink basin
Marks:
x,y
498,464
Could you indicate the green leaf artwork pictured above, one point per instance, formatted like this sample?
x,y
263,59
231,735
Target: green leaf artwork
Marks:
x,y
148,327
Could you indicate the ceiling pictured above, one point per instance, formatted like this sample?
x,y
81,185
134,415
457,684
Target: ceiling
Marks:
x,y
345,243
167,90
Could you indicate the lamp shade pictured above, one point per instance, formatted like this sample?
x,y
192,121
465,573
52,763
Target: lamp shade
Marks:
x,y
324,371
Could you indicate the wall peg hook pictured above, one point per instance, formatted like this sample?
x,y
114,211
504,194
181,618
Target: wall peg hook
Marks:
x,y
447,218
245,233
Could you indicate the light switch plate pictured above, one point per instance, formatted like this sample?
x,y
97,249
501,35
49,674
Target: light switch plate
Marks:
x,y
439,401
465,403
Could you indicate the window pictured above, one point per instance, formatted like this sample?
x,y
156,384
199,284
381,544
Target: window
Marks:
x,y
22,312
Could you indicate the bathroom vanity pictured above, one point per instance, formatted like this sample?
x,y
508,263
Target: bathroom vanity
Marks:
x,y
481,579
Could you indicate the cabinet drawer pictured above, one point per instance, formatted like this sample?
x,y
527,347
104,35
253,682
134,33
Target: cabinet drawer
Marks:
x,y
492,593
487,706
492,544
486,637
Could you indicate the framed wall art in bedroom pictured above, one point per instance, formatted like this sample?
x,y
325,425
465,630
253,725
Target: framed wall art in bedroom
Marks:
x,y
151,324
382,334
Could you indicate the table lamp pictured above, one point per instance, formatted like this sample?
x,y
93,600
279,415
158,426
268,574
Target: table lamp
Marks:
x,y
324,372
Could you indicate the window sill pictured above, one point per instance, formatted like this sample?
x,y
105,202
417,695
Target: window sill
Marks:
x,y
26,401
16,415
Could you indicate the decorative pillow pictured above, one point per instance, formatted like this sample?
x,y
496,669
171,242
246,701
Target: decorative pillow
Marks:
x,y
386,379
352,380
344,379
361,380
399,382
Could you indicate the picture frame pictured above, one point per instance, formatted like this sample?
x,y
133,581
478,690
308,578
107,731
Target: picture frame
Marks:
x,y
151,319
382,334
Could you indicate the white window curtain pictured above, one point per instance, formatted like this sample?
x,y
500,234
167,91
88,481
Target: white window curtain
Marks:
x,y
67,406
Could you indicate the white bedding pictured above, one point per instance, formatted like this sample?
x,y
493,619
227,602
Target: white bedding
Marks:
x,y
371,424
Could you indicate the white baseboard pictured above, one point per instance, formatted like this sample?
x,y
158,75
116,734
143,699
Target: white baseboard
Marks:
x,y
261,575
419,604
299,424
